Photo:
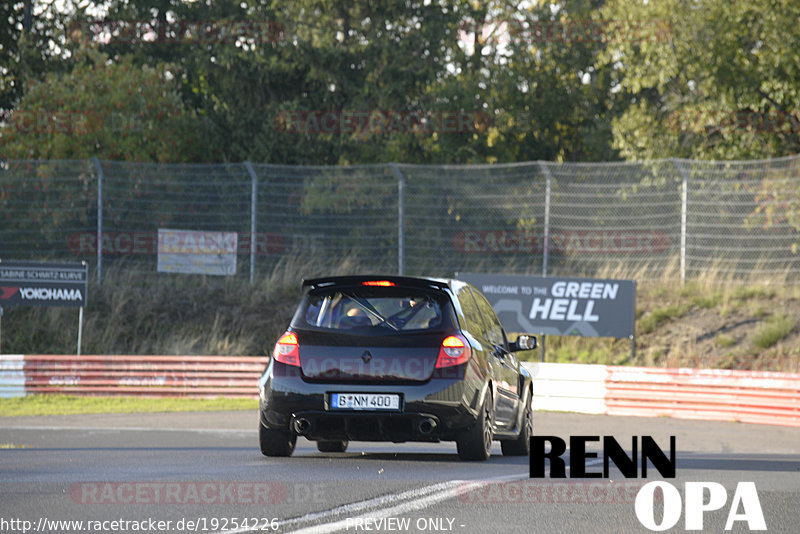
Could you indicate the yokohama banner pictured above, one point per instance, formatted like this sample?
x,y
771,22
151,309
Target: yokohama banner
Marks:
x,y
31,283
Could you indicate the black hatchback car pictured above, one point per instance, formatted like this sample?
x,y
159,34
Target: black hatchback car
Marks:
x,y
391,358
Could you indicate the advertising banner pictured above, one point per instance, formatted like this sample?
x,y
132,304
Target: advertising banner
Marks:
x,y
34,283
196,252
560,306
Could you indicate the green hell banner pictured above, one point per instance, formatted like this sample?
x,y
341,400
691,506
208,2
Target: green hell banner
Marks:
x,y
560,306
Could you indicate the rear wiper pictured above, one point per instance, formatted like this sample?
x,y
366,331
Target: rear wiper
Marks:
x,y
369,308
413,311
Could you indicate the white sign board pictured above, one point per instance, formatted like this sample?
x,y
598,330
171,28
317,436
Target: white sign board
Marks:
x,y
197,252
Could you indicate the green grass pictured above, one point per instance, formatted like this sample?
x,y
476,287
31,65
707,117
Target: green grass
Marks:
x,y
576,349
725,341
775,328
706,301
752,292
654,319
71,405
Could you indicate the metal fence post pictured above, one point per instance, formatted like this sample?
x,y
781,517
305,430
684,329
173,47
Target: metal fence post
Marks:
x,y
547,195
99,220
684,213
546,245
401,193
253,217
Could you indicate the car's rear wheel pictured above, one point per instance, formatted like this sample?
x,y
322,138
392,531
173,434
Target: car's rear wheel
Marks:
x,y
332,446
522,445
476,443
275,442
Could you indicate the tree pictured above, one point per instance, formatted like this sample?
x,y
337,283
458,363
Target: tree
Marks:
x,y
112,110
31,40
315,57
533,68
448,81
723,82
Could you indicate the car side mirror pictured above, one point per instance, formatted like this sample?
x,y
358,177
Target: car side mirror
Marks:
x,y
524,342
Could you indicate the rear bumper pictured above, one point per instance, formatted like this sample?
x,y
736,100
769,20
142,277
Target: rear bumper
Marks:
x,y
371,426
436,410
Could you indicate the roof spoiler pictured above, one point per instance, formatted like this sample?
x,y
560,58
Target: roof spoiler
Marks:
x,y
357,280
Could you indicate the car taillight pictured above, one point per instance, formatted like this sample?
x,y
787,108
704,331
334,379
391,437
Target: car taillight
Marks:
x,y
454,351
287,350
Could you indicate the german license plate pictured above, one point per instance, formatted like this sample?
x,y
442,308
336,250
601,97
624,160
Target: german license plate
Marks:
x,y
365,401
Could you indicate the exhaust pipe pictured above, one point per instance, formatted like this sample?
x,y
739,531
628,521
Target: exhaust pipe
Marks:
x,y
302,425
426,426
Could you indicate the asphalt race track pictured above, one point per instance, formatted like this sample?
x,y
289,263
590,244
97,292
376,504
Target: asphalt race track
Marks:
x,y
202,472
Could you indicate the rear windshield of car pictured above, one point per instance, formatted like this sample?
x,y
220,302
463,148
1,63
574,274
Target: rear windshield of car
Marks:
x,y
366,310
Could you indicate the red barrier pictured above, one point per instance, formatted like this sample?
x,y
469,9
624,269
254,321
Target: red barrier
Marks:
x,y
723,395
710,394
197,376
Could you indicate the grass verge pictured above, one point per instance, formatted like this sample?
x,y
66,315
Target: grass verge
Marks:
x,y
72,405
774,329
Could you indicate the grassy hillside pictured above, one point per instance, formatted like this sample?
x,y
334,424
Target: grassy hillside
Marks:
x,y
701,325
711,323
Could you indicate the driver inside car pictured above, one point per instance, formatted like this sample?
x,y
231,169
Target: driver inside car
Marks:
x,y
354,317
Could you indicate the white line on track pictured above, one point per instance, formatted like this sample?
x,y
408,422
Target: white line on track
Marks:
x,y
391,505
444,491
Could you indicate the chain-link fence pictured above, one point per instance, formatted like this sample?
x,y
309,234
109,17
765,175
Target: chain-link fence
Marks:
x,y
667,219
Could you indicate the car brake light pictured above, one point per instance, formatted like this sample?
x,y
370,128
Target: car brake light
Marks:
x,y
454,351
378,283
287,349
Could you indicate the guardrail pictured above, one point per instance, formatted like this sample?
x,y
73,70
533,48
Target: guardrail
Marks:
x,y
197,376
708,394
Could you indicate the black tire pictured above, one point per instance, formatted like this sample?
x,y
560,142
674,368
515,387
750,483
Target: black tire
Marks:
x,y
475,444
275,442
332,446
522,445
